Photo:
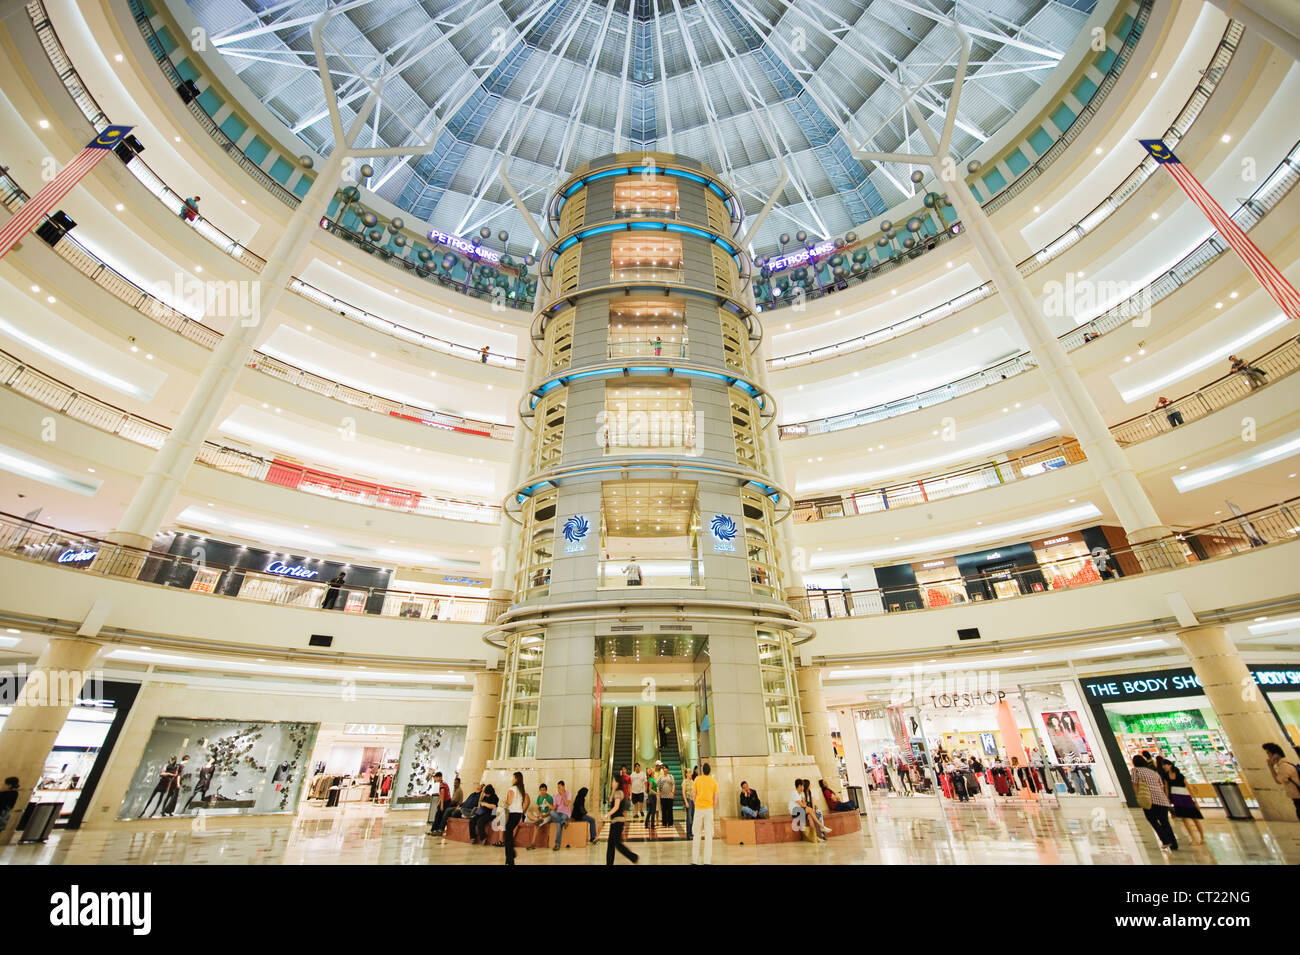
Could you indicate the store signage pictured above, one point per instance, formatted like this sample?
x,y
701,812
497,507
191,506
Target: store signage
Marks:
x,y
781,262
576,530
365,729
931,563
723,529
1181,682
963,701
1175,722
1056,540
465,246
281,569
468,581
74,556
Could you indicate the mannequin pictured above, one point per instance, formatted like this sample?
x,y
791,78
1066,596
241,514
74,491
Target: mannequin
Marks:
x,y
174,790
201,785
170,772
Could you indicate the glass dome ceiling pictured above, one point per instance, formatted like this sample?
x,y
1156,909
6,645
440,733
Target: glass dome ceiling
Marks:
x,y
548,84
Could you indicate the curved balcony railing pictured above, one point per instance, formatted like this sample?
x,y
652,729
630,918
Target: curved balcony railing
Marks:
x,y
1277,523
127,292
952,484
174,202
1247,215
1100,213
91,555
1230,388
63,398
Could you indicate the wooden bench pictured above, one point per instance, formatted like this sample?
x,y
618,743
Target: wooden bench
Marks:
x,y
842,823
458,831
739,832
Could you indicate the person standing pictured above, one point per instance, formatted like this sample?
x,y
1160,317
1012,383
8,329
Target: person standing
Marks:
x,y
619,807
667,790
637,790
1149,788
652,799
438,802
706,794
8,799
483,355
1255,376
1184,806
332,595
633,571
1173,415
190,208
688,799
516,807
1286,775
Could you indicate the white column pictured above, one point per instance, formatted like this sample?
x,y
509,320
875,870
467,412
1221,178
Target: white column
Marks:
x,y
481,731
39,713
1243,713
1119,482
1277,21
817,724
162,482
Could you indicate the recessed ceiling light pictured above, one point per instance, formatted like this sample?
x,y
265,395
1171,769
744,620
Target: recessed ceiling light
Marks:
x,y
12,630
1182,467
1038,208
43,123
176,139
135,348
148,355
118,57
36,288
50,299
1154,74
1155,215
91,470
1097,150
1218,305
1260,619
119,207
1225,138
1232,295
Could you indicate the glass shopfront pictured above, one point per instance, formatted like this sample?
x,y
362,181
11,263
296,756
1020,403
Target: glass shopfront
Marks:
x,y
81,749
353,764
225,767
426,750
1165,713
1031,738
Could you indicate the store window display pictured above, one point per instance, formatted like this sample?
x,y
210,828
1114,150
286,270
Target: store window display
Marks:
x,y
426,750
225,767
353,764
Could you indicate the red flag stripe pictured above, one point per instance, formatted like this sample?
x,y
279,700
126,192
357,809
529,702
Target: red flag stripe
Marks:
x,y
1237,238
1273,281
48,197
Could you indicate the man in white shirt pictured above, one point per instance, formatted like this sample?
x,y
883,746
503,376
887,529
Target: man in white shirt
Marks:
x,y
633,571
638,790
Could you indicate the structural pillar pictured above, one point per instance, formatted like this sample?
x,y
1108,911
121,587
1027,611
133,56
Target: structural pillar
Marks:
x,y
1243,713
1277,21
481,733
171,464
38,714
1118,481
817,724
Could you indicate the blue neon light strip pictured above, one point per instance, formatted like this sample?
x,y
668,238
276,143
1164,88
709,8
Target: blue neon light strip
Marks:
x,y
767,490
657,170
578,236
730,380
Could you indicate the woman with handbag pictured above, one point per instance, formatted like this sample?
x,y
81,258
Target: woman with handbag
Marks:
x,y
1184,806
1149,788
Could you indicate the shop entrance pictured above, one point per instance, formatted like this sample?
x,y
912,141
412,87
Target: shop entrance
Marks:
x,y
352,769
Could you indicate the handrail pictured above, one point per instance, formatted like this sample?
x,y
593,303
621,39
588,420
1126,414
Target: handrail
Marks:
x,y
1277,523
21,378
154,183
126,291
42,543
1247,215
1276,364
1100,213
1014,188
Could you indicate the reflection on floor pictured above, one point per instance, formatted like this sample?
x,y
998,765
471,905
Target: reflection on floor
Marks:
x,y
894,833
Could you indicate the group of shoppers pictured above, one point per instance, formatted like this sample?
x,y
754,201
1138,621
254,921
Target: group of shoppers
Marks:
x,y
650,794
1161,789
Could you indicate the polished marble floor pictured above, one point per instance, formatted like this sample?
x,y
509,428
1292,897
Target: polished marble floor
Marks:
x,y
894,833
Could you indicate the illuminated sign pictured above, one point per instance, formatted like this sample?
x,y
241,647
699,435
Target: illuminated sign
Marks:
x,y
1056,540
932,563
781,262
74,556
575,533
281,569
465,246
723,529
365,729
469,581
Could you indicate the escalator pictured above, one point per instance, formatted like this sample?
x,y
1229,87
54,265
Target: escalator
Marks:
x,y
623,751
669,752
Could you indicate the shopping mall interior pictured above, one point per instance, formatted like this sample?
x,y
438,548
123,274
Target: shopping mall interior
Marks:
x,y
525,392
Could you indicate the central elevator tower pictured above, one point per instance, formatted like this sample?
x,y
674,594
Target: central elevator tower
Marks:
x,y
649,566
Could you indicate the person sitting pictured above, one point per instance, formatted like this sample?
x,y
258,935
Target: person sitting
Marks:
x,y
483,815
833,802
800,810
805,786
751,807
540,813
561,813
580,814
467,805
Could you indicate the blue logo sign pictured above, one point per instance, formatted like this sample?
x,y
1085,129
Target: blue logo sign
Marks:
x,y
724,532
282,569
576,529
74,556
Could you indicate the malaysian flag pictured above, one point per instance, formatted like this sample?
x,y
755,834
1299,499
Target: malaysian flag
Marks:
x,y
1274,282
58,187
